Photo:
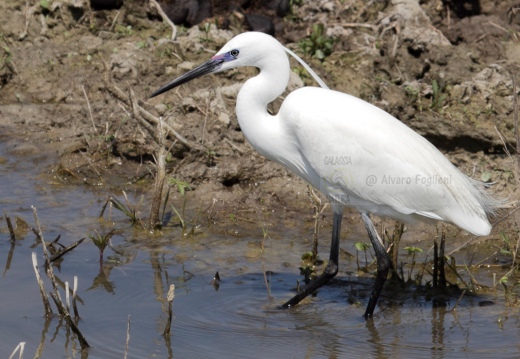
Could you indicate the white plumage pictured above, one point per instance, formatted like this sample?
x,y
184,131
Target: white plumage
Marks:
x,y
355,153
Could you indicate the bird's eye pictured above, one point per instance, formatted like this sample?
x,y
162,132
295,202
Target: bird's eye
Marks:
x,y
234,53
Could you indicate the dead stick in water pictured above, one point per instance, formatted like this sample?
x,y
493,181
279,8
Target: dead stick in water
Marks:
x,y
56,295
47,265
160,175
458,301
67,296
66,315
43,293
169,297
66,250
74,291
20,347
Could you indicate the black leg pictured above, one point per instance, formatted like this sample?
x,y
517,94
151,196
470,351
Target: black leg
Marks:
x,y
383,264
332,267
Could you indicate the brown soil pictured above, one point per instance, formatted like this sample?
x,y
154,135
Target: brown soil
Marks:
x,y
389,53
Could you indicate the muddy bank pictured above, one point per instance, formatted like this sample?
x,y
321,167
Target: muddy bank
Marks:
x,y
443,69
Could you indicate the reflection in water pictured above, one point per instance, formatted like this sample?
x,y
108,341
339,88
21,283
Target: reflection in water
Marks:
x,y
158,285
438,314
45,329
378,348
9,257
101,280
18,232
121,257
216,281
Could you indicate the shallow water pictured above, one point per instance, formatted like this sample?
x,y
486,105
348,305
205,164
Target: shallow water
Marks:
x,y
240,320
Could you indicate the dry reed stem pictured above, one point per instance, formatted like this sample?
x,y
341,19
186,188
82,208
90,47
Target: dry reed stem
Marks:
x,y
21,347
47,265
43,293
74,292
66,250
160,160
517,130
56,295
66,315
89,109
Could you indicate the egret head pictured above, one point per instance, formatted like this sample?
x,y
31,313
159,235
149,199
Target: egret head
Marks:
x,y
246,49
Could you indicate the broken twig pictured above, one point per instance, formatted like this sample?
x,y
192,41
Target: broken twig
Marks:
x,y
165,18
169,297
43,293
145,116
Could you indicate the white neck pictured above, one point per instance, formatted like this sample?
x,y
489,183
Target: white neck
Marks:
x,y
253,98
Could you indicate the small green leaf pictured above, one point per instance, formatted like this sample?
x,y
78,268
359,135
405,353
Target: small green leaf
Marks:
x,y
413,250
504,237
307,256
360,246
182,186
435,87
485,177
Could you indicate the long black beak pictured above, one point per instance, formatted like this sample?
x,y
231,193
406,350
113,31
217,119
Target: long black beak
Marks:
x,y
204,69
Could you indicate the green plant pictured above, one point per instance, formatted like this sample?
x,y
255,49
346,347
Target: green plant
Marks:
x,y
142,44
485,176
301,72
317,45
438,97
361,247
412,251
510,292
308,268
124,30
101,241
207,29
510,249
6,56
44,4
412,92
181,187
210,157
292,4
131,211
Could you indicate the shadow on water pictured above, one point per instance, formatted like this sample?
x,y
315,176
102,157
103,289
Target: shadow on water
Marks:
x,y
238,320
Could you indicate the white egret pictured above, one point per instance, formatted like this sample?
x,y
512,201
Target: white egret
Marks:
x,y
353,152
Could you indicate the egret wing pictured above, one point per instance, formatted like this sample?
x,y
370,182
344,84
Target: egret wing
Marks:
x,y
361,156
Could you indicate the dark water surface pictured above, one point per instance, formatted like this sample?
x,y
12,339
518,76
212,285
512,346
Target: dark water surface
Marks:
x,y
240,320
